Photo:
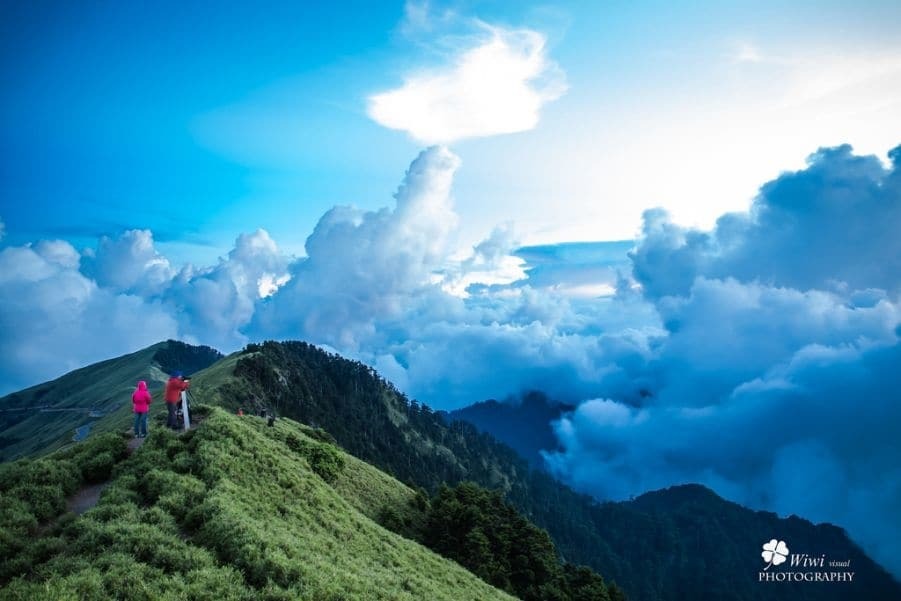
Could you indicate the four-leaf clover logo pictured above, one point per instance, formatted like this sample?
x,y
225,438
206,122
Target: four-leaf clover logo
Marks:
x,y
774,553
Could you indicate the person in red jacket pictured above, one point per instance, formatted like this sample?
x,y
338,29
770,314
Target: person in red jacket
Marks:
x,y
141,400
174,386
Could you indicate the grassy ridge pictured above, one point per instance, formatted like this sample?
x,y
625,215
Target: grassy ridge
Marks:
x,y
237,510
57,408
106,386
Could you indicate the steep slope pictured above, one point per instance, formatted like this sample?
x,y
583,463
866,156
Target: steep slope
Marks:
x,y
364,412
91,399
231,510
522,424
650,553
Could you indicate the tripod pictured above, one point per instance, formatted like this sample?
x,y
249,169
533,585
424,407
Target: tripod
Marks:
x,y
183,412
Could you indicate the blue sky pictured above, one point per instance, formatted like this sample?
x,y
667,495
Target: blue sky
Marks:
x,y
682,219
199,123
103,104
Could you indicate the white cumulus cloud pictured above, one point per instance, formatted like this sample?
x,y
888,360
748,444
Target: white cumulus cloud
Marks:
x,y
54,319
497,86
213,304
363,266
129,263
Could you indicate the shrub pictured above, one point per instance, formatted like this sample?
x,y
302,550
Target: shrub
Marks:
x,y
322,436
324,459
216,584
98,468
43,500
49,472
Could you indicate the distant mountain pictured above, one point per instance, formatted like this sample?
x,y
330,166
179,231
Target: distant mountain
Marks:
x,y
523,424
91,399
680,543
685,542
723,529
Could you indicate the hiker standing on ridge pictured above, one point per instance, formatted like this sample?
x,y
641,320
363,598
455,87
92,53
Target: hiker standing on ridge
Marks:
x,y
141,400
174,386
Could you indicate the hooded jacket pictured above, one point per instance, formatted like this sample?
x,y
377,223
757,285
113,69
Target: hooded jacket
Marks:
x,y
141,398
173,389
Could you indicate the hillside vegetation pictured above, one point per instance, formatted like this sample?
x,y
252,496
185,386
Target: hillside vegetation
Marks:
x,y
231,510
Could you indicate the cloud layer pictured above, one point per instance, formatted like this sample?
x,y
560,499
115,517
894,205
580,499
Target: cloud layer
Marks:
x,y
776,381
54,319
496,85
61,309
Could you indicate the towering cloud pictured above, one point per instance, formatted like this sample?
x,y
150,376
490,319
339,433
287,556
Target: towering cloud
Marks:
x,y
367,266
214,304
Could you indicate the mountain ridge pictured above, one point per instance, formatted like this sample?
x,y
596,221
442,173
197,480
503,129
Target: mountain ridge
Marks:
x,y
650,546
231,510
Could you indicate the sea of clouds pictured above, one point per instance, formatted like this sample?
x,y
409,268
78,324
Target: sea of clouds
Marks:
x,y
761,358
777,380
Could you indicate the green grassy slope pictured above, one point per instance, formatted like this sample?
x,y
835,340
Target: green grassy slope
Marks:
x,y
207,384
233,510
96,398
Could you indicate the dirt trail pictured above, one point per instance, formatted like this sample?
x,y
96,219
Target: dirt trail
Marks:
x,y
88,496
85,498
